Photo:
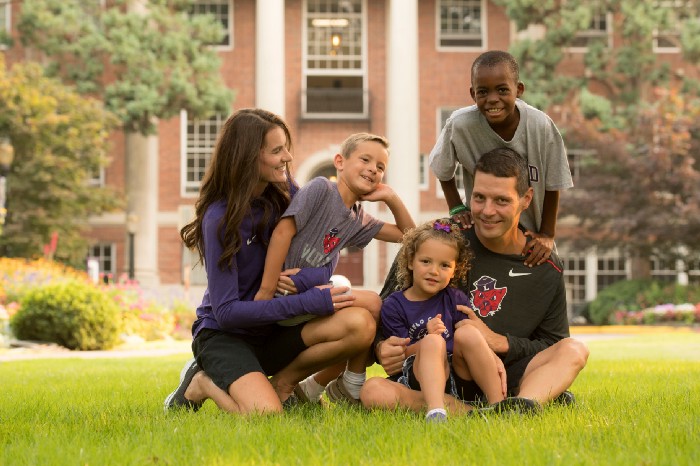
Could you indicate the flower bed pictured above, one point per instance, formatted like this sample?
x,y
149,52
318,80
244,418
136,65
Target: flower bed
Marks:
x,y
685,314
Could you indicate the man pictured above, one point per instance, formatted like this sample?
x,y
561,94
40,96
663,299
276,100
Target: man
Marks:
x,y
520,310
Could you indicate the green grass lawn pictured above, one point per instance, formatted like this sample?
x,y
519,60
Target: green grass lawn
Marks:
x,y
638,404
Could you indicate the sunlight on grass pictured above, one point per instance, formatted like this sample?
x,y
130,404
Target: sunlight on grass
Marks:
x,y
638,403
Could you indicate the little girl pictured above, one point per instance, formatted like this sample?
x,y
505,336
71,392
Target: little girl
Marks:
x,y
432,261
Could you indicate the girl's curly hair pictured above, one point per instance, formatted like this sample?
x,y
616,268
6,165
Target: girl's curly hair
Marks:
x,y
442,230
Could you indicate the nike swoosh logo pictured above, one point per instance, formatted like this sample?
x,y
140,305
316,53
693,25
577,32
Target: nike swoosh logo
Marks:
x,y
250,240
518,274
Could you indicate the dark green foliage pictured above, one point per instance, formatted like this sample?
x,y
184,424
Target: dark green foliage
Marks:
x,y
73,314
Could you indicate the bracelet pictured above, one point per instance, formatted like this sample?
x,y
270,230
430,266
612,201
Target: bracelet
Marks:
x,y
458,209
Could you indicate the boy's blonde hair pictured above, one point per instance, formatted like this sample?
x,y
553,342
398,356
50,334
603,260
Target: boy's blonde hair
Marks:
x,y
352,141
442,230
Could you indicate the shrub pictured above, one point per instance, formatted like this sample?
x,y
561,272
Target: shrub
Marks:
x,y
74,314
618,296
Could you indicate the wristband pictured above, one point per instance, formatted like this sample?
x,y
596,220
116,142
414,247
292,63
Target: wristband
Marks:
x,y
457,209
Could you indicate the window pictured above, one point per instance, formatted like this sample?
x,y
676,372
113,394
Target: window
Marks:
x,y
612,268
104,254
693,270
199,140
599,31
575,279
443,114
334,60
423,181
5,26
461,23
96,177
222,11
676,12
664,270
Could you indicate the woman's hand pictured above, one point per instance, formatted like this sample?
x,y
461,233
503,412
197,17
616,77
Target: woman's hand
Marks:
x,y
285,285
340,299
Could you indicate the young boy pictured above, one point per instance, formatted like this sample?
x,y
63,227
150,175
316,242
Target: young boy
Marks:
x,y
325,217
501,119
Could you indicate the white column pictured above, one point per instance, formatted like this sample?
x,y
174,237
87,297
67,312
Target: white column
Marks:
x,y
402,103
269,56
141,161
142,203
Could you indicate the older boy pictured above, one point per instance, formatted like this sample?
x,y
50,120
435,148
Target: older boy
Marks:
x,y
501,119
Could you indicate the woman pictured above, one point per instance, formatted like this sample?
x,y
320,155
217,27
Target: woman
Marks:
x,y
237,344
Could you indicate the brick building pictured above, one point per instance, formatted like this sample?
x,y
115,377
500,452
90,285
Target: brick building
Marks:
x,y
333,67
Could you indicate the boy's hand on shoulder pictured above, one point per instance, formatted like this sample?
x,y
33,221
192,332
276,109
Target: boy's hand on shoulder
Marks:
x,y
538,248
381,193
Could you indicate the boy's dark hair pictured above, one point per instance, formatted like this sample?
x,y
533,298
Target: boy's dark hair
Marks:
x,y
503,162
494,58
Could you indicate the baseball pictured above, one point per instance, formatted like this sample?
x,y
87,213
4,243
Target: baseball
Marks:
x,y
341,280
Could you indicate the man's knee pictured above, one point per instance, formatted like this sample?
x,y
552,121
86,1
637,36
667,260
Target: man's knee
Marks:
x,y
574,351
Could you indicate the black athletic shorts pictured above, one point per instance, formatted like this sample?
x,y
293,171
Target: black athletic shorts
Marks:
x,y
226,357
469,391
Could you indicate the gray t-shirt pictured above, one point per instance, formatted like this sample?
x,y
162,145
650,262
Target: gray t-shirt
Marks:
x,y
325,225
467,136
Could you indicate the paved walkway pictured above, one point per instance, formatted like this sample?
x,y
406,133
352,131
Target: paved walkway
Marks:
x,y
171,347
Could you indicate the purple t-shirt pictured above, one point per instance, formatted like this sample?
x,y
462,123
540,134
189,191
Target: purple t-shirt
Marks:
x,y
409,319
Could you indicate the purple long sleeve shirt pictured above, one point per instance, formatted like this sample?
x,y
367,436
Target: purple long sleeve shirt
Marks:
x,y
228,300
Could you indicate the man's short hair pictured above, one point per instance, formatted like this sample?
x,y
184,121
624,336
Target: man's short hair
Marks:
x,y
503,162
497,57
352,141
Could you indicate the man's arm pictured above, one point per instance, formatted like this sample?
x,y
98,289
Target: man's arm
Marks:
x,y
276,253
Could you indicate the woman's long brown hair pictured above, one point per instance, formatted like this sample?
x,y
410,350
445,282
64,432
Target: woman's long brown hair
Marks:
x,y
232,176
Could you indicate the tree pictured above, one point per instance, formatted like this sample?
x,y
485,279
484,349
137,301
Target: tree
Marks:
x,y
146,60
632,110
59,140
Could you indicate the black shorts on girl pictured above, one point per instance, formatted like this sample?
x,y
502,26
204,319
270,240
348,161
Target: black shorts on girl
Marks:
x,y
226,357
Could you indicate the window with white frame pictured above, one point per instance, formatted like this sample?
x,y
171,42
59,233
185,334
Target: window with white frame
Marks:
x,y
575,278
334,60
599,31
675,13
443,114
199,140
96,177
104,253
664,270
693,270
612,268
461,23
423,180
222,11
